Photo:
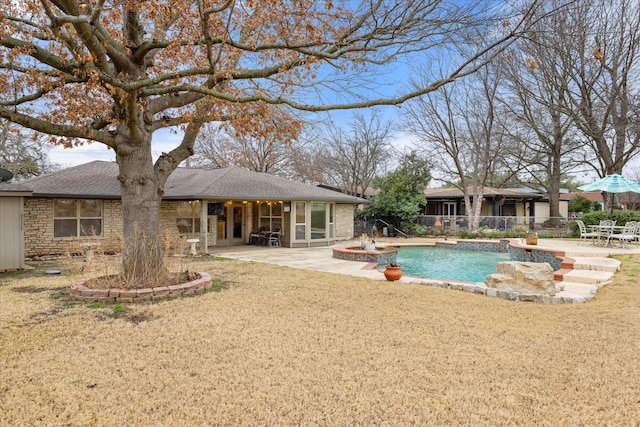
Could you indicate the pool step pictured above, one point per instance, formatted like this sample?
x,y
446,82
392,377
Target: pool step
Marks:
x,y
596,264
579,292
593,277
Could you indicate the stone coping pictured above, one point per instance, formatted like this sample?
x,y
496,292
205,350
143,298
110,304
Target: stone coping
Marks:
x,y
80,292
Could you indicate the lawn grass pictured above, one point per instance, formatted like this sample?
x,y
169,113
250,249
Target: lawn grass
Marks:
x,y
280,346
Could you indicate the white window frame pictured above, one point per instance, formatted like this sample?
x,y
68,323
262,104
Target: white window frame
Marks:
x,y
79,218
330,218
193,218
275,221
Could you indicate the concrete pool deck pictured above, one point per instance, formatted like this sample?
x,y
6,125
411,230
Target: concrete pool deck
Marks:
x,y
578,287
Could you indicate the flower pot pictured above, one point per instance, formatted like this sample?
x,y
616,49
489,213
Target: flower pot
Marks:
x,y
393,273
531,240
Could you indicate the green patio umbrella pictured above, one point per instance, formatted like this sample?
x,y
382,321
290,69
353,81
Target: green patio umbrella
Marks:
x,y
612,184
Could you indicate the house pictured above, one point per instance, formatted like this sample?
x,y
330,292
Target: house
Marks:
x,y
81,205
503,202
627,200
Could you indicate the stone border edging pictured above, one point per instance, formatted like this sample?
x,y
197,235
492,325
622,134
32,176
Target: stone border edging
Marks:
x,y
80,292
482,289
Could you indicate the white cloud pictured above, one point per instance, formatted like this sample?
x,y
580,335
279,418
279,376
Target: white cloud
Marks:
x,y
78,155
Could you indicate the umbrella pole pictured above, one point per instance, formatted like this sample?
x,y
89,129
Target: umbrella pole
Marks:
x,y
613,195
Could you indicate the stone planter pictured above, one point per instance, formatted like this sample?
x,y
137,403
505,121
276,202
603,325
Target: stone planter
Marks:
x,y
80,292
531,240
393,273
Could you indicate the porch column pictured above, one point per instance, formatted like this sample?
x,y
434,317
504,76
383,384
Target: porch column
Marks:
x,y
532,214
496,207
204,220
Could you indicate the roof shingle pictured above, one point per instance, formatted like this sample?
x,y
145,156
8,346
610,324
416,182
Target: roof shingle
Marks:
x,y
98,179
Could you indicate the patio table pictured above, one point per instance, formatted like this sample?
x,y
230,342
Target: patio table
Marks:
x,y
605,232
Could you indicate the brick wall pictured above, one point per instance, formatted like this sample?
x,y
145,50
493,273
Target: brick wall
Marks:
x,y
38,233
38,230
344,221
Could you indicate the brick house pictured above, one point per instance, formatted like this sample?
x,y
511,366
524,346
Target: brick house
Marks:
x,y
81,206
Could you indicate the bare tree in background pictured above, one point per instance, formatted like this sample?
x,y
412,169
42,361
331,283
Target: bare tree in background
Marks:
x,y
23,152
267,147
546,141
459,128
350,156
597,45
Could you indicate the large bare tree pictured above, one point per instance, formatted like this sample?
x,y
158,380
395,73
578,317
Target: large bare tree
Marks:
x,y
116,71
547,145
598,47
460,129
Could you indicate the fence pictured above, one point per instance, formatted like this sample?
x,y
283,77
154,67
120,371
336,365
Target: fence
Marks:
x,y
455,225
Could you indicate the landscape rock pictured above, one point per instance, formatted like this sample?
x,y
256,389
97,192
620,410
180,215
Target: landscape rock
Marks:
x,y
523,277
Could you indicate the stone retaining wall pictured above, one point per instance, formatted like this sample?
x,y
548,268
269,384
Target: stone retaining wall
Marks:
x,y
382,256
529,254
80,292
477,245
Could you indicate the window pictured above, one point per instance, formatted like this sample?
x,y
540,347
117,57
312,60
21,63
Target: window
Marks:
x,y
318,220
331,221
188,216
314,220
271,216
301,221
509,209
73,218
449,209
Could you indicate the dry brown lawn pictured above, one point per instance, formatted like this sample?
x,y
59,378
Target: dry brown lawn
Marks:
x,y
280,346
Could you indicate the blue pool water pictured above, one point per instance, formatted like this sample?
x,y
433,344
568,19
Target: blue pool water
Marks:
x,y
452,264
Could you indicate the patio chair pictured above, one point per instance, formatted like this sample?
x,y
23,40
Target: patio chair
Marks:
x,y
607,223
274,239
605,228
627,234
254,237
263,239
584,234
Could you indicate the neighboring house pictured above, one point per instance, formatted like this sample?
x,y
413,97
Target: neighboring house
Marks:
x,y
449,202
628,200
81,206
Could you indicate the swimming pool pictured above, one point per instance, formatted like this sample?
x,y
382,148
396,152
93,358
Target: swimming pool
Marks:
x,y
443,263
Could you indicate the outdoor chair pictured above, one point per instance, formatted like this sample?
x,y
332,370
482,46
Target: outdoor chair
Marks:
x,y
627,234
274,239
254,237
605,228
584,234
263,239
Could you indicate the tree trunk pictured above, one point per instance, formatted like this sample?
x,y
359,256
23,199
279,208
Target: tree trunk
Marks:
x,y
473,206
142,260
